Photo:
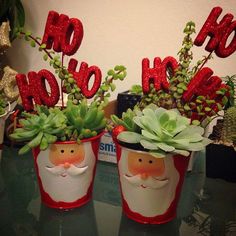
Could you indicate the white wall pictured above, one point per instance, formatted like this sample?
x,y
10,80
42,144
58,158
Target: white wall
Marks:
x,y
123,32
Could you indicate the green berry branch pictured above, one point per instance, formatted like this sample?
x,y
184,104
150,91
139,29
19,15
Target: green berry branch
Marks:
x,y
202,106
68,83
103,94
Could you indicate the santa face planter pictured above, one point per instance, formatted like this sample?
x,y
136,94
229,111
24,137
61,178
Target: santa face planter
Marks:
x,y
150,186
66,172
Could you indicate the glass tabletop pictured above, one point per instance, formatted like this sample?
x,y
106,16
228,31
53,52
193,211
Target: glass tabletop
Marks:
x,y
207,206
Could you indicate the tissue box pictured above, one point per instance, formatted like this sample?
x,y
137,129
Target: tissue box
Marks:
x,y
107,149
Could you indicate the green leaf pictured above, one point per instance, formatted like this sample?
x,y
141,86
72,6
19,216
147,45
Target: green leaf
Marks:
x,y
111,72
220,92
225,100
44,144
158,153
181,152
196,122
43,46
45,57
113,87
24,150
150,135
180,85
210,101
117,68
32,43
122,75
28,33
129,137
219,106
20,13
105,87
148,144
193,133
207,109
198,101
58,63
187,107
165,147
198,109
27,38
201,97
180,90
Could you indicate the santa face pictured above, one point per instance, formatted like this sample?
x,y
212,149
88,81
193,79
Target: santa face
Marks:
x,y
66,170
148,183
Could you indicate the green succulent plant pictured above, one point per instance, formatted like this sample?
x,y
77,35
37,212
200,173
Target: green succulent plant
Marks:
x,y
165,131
47,126
40,129
83,121
126,120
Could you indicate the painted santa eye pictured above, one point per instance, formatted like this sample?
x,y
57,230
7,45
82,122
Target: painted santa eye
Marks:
x,y
72,151
150,161
140,160
62,151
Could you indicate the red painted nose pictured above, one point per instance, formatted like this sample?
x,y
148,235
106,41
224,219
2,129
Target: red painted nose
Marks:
x,y
144,176
66,165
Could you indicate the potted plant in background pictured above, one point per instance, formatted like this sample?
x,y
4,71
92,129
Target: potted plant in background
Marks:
x,y
13,12
65,139
221,155
12,15
155,139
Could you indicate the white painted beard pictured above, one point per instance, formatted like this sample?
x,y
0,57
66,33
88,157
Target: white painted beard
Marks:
x,y
67,185
150,182
150,197
72,170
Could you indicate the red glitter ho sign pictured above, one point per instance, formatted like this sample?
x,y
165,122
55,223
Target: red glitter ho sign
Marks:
x,y
203,82
63,34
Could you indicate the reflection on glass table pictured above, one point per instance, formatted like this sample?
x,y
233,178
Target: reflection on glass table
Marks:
x,y
207,206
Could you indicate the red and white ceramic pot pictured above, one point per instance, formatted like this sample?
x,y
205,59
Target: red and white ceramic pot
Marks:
x,y
66,172
150,186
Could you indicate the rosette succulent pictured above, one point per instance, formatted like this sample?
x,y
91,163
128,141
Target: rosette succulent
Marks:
x,y
40,129
165,131
49,125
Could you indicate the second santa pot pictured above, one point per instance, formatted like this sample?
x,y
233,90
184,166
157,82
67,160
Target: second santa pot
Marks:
x,y
150,186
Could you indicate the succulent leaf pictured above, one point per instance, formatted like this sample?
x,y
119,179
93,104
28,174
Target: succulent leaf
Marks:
x,y
131,136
